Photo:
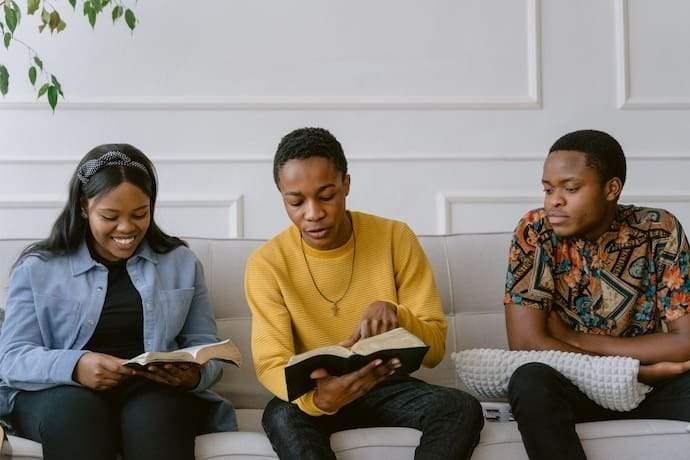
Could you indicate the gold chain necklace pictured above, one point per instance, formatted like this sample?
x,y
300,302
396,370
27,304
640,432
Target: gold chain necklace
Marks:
x,y
334,303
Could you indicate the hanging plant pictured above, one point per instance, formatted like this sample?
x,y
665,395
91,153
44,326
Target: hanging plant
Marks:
x,y
46,83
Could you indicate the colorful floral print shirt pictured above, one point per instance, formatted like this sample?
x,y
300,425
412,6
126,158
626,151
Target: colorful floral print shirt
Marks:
x,y
623,284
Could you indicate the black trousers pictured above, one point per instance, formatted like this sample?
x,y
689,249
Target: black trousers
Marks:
x,y
547,406
139,419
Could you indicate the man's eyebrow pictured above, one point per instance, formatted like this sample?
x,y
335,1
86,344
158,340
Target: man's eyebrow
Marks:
x,y
561,181
319,190
146,206
293,193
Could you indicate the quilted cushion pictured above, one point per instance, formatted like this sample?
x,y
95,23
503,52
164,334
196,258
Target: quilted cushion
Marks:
x,y
610,381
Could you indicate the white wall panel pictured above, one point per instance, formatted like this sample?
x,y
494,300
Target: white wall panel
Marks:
x,y
205,218
470,212
445,108
269,54
653,46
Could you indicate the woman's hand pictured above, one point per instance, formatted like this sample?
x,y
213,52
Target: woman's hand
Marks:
x,y
186,376
101,372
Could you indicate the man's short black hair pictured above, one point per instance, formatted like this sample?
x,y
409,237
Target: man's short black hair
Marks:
x,y
305,143
602,151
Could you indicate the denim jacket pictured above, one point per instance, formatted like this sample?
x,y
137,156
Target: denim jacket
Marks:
x,y
54,303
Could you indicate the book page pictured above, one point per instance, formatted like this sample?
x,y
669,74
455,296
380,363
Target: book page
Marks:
x,y
225,350
335,350
394,339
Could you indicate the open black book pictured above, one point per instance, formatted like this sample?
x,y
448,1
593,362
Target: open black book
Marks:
x,y
225,351
338,360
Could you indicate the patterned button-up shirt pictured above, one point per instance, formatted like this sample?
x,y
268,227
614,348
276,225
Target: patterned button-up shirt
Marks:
x,y
625,283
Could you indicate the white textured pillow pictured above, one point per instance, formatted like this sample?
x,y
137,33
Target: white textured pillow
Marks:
x,y
610,381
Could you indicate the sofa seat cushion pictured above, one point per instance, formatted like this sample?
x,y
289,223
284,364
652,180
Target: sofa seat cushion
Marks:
x,y
601,440
375,443
239,445
18,448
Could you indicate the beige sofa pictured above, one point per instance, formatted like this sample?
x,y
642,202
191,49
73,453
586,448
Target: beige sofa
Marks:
x,y
470,272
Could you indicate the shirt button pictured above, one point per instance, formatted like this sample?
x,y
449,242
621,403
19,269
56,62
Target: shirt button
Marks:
x,y
148,306
91,322
99,289
136,280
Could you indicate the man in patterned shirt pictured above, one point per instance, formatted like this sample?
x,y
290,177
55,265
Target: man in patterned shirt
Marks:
x,y
588,275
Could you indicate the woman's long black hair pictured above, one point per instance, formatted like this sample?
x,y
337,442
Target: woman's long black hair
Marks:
x,y
71,228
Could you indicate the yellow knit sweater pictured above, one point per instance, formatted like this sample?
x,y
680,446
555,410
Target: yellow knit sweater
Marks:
x,y
289,316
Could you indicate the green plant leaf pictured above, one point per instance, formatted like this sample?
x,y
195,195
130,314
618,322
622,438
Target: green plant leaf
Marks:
x,y
10,18
17,11
130,19
90,12
32,75
54,20
38,62
45,16
117,13
4,80
73,3
52,97
57,84
7,38
32,6
43,90
2,28
61,25
97,5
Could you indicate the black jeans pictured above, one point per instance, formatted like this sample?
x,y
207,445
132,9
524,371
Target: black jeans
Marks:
x,y
547,406
449,419
139,419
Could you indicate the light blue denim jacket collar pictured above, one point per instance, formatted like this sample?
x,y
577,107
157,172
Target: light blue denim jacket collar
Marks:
x,y
81,260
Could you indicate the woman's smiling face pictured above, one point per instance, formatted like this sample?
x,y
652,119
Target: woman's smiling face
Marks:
x,y
119,220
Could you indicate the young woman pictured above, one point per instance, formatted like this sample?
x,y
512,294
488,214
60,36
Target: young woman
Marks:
x,y
105,286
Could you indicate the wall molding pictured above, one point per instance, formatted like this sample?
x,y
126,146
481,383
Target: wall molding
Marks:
x,y
446,201
531,100
233,205
196,159
624,99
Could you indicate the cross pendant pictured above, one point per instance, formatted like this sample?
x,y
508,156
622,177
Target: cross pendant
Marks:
x,y
335,308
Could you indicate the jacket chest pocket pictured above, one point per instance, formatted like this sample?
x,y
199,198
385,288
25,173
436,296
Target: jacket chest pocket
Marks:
x,y
175,306
58,320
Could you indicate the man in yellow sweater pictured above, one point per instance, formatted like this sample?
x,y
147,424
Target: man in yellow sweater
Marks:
x,y
334,277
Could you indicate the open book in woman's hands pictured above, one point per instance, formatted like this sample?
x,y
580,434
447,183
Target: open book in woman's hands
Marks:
x,y
337,360
200,354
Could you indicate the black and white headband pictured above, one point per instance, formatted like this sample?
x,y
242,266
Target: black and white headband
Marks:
x,y
112,158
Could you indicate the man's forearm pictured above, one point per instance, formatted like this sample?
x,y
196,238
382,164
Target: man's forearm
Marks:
x,y
544,342
648,349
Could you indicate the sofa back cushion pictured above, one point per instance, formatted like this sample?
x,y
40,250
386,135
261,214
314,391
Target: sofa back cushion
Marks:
x,y
469,270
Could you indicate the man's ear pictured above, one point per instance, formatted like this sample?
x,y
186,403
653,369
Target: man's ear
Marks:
x,y
346,184
613,189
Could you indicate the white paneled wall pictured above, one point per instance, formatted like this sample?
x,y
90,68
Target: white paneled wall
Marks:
x,y
445,108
